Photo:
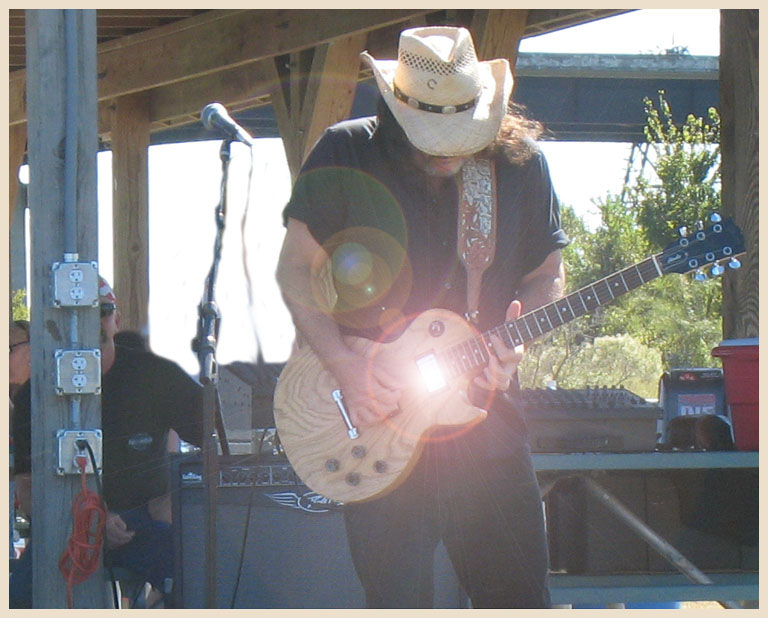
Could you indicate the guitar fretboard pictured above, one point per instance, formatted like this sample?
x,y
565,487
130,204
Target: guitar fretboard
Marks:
x,y
474,353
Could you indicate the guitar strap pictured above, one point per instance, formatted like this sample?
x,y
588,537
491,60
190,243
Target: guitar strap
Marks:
x,y
476,238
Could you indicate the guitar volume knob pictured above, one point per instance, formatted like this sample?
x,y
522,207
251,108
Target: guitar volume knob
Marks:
x,y
332,465
358,452
353,478
436,328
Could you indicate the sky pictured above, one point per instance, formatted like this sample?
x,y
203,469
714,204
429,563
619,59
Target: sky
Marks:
x,y
184,184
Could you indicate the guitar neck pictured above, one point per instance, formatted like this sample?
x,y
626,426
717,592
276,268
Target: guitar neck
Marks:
x,y
473,353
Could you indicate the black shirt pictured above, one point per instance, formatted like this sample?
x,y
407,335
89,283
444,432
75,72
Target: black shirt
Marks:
x,y
369,208
143,396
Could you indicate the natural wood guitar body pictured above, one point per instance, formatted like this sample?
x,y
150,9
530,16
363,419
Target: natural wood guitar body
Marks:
x,y
314,434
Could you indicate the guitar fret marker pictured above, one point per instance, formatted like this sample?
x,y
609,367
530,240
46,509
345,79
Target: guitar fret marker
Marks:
x,y
568,302
547,317
597,298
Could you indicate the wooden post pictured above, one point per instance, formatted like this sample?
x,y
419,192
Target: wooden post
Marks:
x,y
739,81
497,33
130,214
17,145
17,245
52,328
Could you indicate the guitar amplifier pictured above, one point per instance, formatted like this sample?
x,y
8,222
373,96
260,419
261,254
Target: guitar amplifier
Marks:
x,y
589,420
278,543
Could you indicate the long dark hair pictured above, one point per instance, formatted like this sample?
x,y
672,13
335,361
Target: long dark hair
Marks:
x,y
395,138
517,135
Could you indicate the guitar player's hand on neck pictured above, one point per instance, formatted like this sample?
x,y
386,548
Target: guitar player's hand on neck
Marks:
x,y
370,391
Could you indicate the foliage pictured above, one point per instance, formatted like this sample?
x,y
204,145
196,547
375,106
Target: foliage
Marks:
x,y
687,166
670,322
19,309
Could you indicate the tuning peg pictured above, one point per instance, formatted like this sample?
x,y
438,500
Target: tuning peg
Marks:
x,y
683,231
699,225
715,218
717,270
734,264
699,275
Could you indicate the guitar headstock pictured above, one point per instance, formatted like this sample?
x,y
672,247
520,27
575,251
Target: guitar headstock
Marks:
x,y
721,241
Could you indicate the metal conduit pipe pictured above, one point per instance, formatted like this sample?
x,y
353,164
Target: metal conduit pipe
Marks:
x,y
71,137
71,253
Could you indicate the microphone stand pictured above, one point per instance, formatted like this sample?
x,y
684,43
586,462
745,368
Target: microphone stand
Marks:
x,y
204,345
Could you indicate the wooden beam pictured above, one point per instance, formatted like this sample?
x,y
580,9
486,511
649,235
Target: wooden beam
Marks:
x,y
215,41
739,85
130,210
331,89
232,88
17,146
498,33
285,103
52,328
315,91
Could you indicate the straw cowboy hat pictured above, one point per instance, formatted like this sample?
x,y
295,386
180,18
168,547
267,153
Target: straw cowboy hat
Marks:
x,y
447,102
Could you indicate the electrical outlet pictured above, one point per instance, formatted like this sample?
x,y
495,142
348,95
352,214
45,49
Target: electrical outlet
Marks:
x,y
75,284
71,445
78,372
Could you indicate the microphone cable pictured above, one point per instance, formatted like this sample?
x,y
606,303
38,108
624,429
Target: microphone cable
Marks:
x,y
249,510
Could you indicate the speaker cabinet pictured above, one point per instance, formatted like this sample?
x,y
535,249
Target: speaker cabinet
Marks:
x,y
278,544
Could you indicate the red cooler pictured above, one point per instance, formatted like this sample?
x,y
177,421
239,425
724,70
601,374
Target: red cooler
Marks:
x,y
740,368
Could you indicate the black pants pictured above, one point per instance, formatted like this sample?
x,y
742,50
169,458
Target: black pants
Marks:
x,y
488,514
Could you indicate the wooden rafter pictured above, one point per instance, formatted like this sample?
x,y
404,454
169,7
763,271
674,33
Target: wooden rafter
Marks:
x,y
214,41
317,90
498,33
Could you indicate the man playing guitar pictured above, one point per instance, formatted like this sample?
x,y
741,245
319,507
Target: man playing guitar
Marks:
x,y
377,208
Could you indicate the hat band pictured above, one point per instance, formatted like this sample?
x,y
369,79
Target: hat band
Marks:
x,y
428,107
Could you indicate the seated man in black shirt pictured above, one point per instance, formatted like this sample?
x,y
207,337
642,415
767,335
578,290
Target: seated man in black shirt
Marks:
x,y
143,397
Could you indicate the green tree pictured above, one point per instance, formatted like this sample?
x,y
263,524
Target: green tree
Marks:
x,y
669,322
19,309
686,165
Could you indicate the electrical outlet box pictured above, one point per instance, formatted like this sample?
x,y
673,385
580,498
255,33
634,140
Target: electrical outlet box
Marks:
x,y
78,372
71,443
75,284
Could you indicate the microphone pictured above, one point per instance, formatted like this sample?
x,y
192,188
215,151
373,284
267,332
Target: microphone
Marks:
x,y
215,117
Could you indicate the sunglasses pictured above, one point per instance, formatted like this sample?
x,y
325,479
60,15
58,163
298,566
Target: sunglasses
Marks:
x,y
12,347
107,309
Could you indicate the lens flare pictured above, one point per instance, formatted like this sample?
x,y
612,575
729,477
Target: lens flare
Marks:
x,y
352,264
368,275
371,276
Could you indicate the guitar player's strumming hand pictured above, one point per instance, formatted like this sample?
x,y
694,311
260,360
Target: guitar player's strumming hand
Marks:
x,y
371,393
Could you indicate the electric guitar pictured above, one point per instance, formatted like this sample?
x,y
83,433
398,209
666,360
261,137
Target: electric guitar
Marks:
x,y
436,356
